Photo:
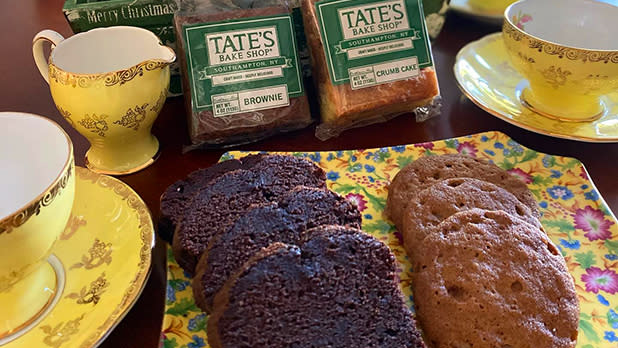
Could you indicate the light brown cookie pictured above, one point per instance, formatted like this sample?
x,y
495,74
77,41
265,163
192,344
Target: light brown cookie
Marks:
x,y
487,279
447,197
428,170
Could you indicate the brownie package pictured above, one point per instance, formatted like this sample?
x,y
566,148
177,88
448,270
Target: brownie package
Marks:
x,y
241,73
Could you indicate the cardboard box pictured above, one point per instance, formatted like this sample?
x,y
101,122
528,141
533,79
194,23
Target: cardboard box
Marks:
x,y
154,15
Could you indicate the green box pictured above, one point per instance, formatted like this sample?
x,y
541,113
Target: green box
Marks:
x,y
154,15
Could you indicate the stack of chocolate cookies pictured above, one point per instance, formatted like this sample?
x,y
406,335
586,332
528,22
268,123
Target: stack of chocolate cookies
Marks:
x,y
485,273
280,261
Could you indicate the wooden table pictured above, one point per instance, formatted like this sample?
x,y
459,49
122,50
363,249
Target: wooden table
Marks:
x,y
23,89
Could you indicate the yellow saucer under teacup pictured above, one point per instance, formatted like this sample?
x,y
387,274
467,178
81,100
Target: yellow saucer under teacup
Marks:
x,y
485,74
110,85
105,252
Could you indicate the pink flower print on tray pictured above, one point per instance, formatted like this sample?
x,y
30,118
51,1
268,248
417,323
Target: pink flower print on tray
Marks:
x,y
597,279
427,146
357,199
592,221
521,175
467,148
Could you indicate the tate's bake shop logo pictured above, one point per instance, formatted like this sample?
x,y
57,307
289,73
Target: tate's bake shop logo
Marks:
x,y
242,45
385,17
369,42
243,65
375,28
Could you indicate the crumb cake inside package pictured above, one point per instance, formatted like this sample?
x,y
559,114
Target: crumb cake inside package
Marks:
x,y
371,61
241,71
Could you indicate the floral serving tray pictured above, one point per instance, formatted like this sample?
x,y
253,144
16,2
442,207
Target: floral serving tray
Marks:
x,y
574,215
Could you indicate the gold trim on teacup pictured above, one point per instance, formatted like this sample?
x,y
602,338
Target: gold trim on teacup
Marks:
x,y
562,51
23,214
556,77
18,219
113,78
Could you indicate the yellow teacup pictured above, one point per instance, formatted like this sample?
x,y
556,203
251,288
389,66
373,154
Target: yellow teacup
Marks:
x,y
110,84
38,187
569,59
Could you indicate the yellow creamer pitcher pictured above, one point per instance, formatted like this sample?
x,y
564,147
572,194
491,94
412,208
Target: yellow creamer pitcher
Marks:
x,y
110,84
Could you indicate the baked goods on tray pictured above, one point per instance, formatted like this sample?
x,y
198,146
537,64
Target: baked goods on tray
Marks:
x,y
336,289
274,272
447,197
216,206
484,272
177,196
284,221
428,170
488,279
277,212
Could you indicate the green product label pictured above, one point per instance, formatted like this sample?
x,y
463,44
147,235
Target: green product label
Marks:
x,y
243,65
370,42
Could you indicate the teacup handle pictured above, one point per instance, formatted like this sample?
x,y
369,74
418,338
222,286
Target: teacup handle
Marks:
x,y
37,50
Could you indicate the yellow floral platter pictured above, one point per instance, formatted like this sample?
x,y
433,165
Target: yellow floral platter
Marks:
x,y
105,251
574,215
485,74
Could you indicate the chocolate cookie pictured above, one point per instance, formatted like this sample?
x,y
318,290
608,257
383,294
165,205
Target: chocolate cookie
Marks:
x,y
427,170
300,209
337,289
487,279
178,195
447,197
216,207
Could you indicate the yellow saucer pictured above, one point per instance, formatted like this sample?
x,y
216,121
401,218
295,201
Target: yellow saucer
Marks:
x,y
105,251
464,8
485,75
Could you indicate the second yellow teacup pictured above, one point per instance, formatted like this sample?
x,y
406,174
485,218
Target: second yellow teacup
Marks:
x,y
569,59
109,84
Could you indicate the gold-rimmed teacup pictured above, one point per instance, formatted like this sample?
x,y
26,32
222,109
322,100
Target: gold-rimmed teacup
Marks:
x,y
110,84
38,187
569,60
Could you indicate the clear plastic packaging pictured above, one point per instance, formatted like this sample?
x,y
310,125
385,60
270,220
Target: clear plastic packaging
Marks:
x,y
241,71
371,62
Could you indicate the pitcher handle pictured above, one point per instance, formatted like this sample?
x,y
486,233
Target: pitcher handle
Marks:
x,y
37,50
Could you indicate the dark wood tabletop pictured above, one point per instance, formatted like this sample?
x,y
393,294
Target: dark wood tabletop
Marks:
x,y
23,89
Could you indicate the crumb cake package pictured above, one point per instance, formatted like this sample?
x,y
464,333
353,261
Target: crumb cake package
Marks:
x,y
371,62
241,71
